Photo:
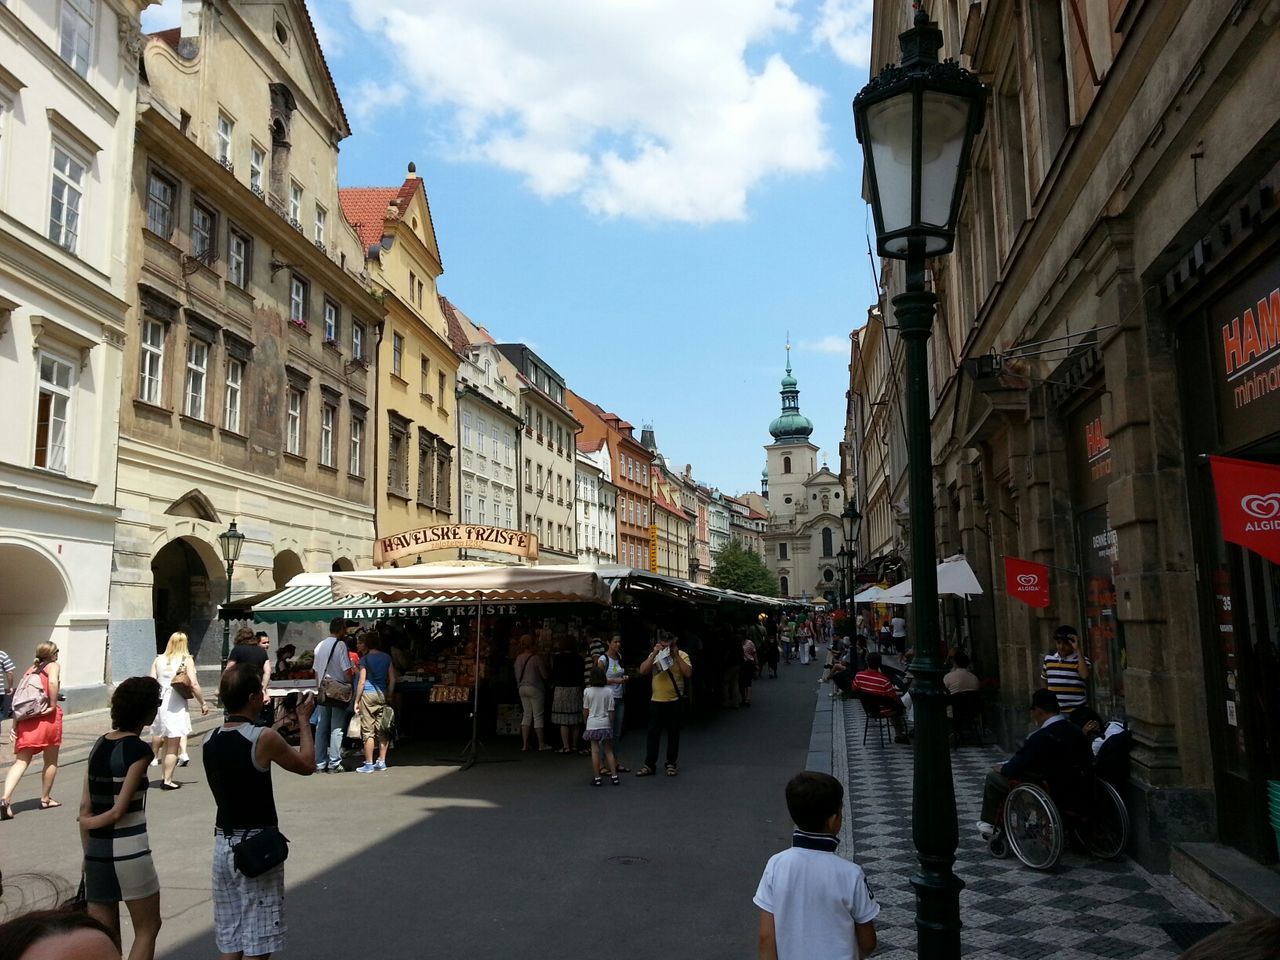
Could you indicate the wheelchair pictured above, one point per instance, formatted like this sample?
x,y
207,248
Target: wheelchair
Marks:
x,y
1032,826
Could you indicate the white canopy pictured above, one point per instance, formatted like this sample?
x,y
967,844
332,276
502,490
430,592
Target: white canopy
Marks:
x,y
955,579
499,584
872,594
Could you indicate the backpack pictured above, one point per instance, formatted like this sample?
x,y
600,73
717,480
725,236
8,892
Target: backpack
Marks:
x,y
30,699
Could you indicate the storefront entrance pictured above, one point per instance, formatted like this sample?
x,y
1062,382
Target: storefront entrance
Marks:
x,y
1229,348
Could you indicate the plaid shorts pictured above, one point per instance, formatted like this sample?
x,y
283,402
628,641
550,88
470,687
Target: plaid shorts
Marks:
x,y
248,912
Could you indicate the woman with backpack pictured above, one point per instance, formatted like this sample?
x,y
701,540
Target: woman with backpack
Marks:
x,y
175,669
37,726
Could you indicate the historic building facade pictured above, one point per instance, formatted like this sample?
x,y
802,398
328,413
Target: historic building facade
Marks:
x,y
671,526
1107,318
595,453
247,394
415,481
549,451
68,96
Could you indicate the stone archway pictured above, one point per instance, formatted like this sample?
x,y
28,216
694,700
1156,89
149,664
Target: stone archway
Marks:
x,y
343,564
187,582
33,599
285,567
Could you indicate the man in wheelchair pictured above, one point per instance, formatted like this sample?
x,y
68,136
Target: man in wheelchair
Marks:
x,y
1056,754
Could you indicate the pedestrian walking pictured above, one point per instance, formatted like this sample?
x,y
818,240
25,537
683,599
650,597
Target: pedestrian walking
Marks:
x,y
113,819
566,694
615,675
747,672
375,687
597,717
898,631
37,726
6,687
334,676
248,910
671,669
804,640
172,723
531,681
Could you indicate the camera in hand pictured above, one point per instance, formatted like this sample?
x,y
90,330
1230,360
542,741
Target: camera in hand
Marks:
x,y
291,703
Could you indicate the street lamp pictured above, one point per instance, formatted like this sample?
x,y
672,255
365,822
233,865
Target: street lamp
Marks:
x,y
916,122
231,540
850,519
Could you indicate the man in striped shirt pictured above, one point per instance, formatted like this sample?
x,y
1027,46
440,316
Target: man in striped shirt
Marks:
x,y
873,682
1066,670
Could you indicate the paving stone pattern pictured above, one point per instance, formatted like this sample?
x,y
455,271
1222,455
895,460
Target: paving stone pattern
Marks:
x,y
1084,910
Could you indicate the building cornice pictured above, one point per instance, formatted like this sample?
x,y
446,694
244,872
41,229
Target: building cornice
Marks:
x,y
37,262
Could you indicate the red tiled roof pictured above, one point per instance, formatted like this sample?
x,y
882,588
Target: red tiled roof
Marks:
x,y
366,210
590,446
457,336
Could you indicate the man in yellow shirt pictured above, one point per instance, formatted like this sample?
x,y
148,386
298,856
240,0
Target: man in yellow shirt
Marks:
x,y
670,669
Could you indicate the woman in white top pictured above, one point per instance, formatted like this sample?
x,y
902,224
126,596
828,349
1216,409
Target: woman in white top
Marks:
x,y
597,714
172,721
615,676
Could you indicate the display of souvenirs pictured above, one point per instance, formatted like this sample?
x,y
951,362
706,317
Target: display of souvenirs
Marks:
x,y
442,693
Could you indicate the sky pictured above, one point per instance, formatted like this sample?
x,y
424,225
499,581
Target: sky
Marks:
x,y
653,194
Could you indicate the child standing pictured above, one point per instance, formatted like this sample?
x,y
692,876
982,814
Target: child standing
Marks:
x,y
813,902
597,714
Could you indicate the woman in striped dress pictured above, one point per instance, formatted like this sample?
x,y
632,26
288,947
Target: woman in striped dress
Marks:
x,y
113,820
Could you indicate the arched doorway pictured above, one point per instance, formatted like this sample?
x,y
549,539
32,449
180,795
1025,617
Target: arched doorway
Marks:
x,y
343,564
186,585
285,567
33,599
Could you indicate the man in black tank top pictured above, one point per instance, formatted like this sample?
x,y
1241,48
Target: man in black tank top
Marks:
x,y
248,912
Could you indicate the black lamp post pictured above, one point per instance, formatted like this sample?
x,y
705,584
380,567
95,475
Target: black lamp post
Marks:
x,y
850,519
916,122
231,540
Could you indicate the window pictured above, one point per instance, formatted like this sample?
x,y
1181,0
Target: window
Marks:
x,y
257,161
238,247
827,546
481,515
151,363
160,197
424,379
357,340
396,479
298,301
426,484
397,354
528,472
357,446
328,413
783,588
466,430
786,464
225,129
528,523
75,34
782,551
293,422
295,202
442,382
64,204
52,413
231,395
203,228
466,508
321,216
508,508
330,321
197,368
444,470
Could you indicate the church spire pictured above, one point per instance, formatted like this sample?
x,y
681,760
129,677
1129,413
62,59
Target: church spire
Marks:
x,y
792,425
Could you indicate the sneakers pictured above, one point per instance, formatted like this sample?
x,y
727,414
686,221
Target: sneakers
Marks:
x,y
380,765
367,768
155,762
986,830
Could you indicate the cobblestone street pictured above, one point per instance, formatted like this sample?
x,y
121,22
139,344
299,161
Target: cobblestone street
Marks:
x,y
1083,910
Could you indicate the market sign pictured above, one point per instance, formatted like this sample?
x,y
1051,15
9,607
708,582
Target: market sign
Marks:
x,y
455,536
653,548
1244,337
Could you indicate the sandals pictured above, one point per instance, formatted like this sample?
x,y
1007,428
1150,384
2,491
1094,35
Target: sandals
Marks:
x,y
645,771
597,781
671,770
49,804
621,769
613,778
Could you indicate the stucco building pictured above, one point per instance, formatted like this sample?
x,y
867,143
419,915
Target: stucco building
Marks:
x,y
1108,318
594,454
247,393
68,96
671,526
415,481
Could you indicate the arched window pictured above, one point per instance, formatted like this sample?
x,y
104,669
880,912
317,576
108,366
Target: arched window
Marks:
x,y
783,588
786,464
826,542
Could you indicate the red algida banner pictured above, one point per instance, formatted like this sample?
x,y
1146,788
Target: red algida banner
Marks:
x,y
1249,504
1027,581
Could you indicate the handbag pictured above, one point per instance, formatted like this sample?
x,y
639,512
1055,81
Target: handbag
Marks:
x,y
332,689
255,855
353,727
181,682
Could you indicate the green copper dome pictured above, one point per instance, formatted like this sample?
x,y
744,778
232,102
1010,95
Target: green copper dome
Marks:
x,y
792,424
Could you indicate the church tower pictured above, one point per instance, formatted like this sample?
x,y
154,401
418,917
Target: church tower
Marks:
x,y
792,459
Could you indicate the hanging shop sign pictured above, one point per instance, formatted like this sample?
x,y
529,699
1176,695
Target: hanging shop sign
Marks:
x,y
1249,504
1027,581
653,548
1244,335
455,536
427,611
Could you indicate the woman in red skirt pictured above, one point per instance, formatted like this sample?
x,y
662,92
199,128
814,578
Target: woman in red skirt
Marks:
x,y
42,734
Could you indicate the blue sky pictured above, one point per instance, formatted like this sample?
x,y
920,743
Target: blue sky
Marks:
x,y
652,193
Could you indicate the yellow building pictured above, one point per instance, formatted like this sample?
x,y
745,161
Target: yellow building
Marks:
x,y
671,527
416,481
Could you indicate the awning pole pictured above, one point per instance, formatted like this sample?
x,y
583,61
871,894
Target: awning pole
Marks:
x,y
471,752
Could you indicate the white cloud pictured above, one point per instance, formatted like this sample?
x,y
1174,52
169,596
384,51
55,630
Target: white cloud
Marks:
x,y
163,17
845,26
368,98
637,108
833,343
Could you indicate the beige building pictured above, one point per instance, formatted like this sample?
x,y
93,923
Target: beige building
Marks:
x,y
671,525
246,393
1108,318
415,479
68,97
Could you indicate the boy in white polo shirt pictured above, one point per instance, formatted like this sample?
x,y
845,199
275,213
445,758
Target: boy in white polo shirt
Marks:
x,y
814,904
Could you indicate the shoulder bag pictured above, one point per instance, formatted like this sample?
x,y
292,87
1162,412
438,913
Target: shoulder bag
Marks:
x,y
256,854
181,682
31,696
333,689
